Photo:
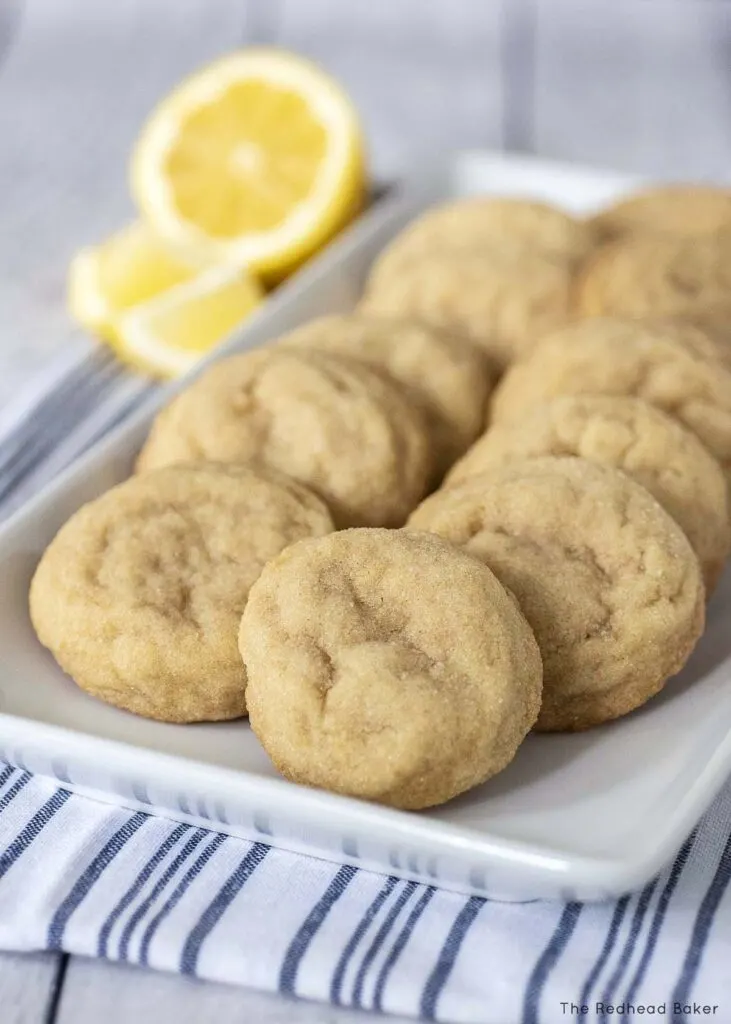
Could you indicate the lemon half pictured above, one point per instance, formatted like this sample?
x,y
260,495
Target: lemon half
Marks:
x,y
257,159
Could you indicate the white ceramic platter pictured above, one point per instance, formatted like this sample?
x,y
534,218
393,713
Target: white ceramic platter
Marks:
x,y
582,817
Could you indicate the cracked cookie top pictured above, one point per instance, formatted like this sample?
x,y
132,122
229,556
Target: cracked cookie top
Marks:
x,y
672,367
356,683
447,375
651,447
607,580
140,594
334,424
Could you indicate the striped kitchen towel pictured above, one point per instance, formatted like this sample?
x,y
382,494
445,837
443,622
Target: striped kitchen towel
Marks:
x,y
101,881
97,880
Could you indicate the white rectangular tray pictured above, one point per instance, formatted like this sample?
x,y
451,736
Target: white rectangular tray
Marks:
x,y
575,816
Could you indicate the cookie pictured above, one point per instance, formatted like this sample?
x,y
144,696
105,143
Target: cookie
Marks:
x,y
645,443
673,209
502,299
487,222
447,375
616,357
337,426
648,275
605,577
140,595
356,684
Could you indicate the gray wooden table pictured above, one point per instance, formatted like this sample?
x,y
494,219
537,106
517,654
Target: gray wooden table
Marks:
x,y
634,84
41,988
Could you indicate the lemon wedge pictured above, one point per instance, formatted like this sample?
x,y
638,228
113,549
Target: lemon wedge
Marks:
x,y
256,159
130,267
169,334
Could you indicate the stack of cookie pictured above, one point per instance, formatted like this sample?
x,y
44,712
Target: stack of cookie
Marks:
x,y
599,493
343,425
282,550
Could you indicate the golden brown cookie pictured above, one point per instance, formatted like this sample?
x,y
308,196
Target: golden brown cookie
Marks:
x,y
333,424
502,298
356,684
448,376
140,594
633,436
487,222
615,357
605,577
649,275
674,209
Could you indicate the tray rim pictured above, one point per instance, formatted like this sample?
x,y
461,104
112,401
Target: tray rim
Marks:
x,y
614,874
585,871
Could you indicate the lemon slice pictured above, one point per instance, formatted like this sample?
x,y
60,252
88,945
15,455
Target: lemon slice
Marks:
x,y
130,267
169,334
258,159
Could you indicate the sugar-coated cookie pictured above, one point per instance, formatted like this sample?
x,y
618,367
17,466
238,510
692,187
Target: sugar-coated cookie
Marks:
x,y
673,209
606,578
448,375
651,447
487,222
679,375
387,665
335,425
140,595
502,298
646,275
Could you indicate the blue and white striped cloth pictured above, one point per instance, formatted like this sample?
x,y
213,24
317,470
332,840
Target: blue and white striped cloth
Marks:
x,y
101,881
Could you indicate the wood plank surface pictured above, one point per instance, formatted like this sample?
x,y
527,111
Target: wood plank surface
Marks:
x,y
78,80
27,986
96,992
